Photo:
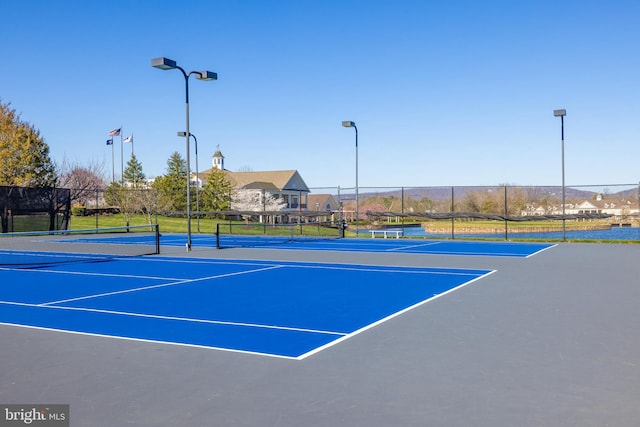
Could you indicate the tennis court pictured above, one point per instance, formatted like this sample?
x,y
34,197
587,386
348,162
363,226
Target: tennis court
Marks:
x,y
408,246
280,309
365,332
283,309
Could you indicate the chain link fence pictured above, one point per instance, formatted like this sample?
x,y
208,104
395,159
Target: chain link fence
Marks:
x,y
590,212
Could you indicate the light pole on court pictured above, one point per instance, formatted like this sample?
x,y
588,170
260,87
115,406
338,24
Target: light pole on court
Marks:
x,y
350,124
184,134
169,64
561,114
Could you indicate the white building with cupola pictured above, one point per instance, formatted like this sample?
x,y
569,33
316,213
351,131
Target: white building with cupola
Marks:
x,y
286,185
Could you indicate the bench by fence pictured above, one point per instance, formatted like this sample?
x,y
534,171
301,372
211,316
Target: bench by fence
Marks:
x,y
386,233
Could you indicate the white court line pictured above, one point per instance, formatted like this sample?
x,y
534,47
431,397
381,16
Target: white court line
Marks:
x,y
180,344
541,250
210,261
374,269
144,288
86,273
320,265
176,318
391,316
413,246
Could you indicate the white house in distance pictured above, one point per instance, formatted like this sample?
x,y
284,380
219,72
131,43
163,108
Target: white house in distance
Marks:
x,y
323,202
618,208
286,185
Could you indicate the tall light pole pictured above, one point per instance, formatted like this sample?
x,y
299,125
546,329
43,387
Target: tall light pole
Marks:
x,y
169,64
350,124
184,134
561,114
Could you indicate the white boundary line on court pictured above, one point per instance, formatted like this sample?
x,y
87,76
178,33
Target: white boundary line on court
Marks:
x,y
178,319
315,264
542,250
374,269
179,344
360,249
391,316
144,288
86,273
412,246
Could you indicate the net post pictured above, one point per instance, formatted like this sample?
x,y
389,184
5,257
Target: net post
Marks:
x,y
217,235
157,230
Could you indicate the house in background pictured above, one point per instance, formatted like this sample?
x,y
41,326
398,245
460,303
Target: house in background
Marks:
x,y
618,208
323,203
286,185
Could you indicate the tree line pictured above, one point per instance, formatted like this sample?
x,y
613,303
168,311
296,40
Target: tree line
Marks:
x,y
25,161
134,194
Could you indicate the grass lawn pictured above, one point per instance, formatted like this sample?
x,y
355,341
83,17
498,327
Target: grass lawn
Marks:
x,y
207,225
167,224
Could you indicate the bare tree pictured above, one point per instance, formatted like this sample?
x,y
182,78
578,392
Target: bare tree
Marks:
x,y
83,181
125,199
256,201
148,202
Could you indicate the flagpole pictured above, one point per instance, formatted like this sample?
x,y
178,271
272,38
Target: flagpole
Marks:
x,y
121,157
113,163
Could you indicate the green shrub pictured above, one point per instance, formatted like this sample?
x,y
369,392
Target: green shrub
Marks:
x,y
79,211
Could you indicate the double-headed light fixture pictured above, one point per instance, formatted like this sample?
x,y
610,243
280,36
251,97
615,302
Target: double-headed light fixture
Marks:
x,y
169,64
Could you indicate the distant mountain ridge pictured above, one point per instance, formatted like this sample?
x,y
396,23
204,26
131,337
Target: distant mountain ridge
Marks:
x,y
444,193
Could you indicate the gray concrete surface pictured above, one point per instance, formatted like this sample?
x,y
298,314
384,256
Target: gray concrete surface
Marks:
x,y
547,341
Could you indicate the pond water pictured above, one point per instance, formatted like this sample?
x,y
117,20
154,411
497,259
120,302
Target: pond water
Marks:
x,y
615,233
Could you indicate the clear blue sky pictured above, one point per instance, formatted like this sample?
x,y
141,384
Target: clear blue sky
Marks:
x,y
442,92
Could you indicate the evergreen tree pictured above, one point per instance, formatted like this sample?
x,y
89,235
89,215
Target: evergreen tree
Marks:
x,y
171,187
133,174
216,192
24,155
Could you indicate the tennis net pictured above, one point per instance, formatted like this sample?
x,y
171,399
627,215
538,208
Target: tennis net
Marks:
x,y
252,234
42,248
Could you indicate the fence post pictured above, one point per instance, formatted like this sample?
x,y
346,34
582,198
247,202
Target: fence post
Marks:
x,y
453,233
402,209
506,213
97,208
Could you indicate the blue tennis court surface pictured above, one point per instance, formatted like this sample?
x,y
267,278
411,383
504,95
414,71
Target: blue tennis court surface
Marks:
x,y
282,309
407,246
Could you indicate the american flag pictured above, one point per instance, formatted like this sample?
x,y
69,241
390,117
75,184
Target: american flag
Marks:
x,y
115,132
